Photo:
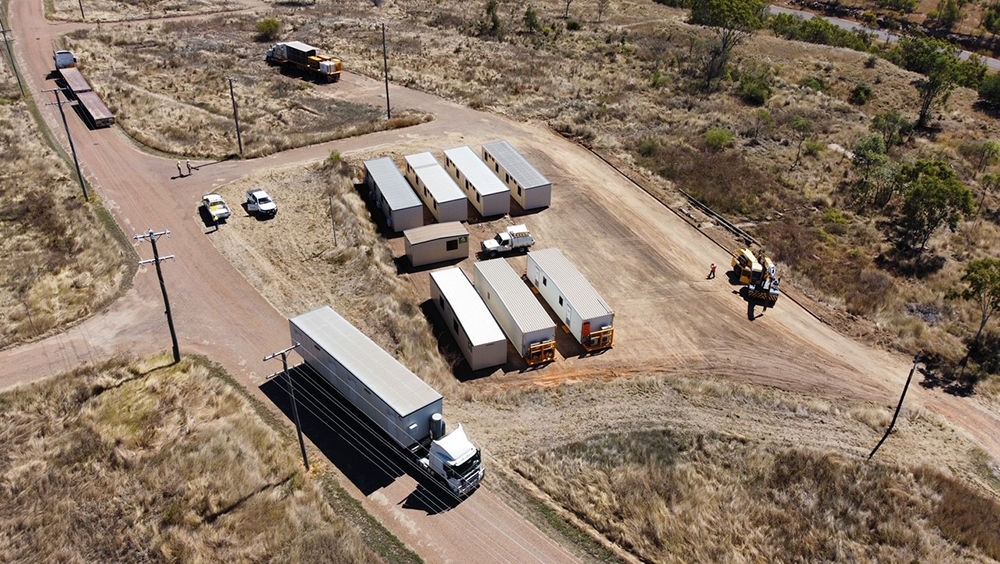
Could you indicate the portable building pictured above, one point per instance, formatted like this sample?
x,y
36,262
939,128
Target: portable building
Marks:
x,y
437,242
395,399
469,320
436,188
528,327
393,195
527,185
490,196
586,314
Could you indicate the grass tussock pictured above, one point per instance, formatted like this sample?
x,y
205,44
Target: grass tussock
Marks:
x,y
132,463
59,258
168,84
295,263
670,496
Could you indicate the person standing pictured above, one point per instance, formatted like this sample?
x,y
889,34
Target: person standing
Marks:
x,y
180,171
711,272
189,166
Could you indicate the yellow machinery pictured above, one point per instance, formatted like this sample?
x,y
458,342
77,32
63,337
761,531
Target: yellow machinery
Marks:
x,y
540,353
759,273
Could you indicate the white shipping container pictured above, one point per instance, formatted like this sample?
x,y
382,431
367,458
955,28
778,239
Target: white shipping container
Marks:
x,y
525,322
589,318
469,320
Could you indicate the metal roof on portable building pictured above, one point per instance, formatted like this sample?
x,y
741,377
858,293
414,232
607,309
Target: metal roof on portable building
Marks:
x,y
469,308
401,389
578,291
435,231
516,165
391,183
480,175
514,295
437,180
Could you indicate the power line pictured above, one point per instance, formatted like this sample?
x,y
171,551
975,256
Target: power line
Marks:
x,y
157,259
72,147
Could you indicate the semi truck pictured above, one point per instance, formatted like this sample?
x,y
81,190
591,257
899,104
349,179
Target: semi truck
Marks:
x,y
515,237
395,400
305,58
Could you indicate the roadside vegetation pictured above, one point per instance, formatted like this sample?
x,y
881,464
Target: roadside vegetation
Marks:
x,y
119,10
137,461
168,84
61,258
671,496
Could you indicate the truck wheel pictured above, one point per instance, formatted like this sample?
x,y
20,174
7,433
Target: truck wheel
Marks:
x,y
523,250
493,254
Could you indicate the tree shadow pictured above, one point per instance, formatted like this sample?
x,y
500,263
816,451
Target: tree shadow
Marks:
x,y
952,378
907,262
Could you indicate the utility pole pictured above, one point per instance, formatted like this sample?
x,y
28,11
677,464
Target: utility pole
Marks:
x,y
10,53
385,59
333,218
72,147
898,406
236,113
157,259
82,17
291,392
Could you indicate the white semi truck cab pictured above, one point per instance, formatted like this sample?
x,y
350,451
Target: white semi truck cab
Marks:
x,y
515,237
456,462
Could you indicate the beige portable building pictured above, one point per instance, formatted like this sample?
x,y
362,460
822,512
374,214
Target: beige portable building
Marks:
x,y
523,319
435,187
467,317
393,195
589,318
437,242
527,185
486,192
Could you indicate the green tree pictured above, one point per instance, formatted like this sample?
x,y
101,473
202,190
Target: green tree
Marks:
x,y
948,13
940,65
989,91
734,21
934,196
983,278
892,126
869,153
531,20
981,154
268,29
802,128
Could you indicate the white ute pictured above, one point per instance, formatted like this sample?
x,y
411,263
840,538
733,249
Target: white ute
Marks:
x,y
216,207
515,237
258,201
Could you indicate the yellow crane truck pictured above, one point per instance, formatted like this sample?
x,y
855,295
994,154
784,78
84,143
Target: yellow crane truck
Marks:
x,y
759,274
305,58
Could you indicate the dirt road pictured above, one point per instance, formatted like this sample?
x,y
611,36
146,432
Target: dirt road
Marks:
x,y
648,263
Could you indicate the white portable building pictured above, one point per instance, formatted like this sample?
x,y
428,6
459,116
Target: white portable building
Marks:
x,y
469,320
393,195
394,398
486,192
589,318
527,185
436,242
436,188
528,327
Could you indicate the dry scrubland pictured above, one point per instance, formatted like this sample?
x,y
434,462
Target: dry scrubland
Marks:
x,y
293,262
720,472
60,259
634,91
128,462
116,10
167,83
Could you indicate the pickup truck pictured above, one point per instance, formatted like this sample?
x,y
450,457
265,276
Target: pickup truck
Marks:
x,y
515,237
259,202
216,207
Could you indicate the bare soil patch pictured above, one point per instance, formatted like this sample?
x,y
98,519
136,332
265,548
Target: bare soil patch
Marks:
x,y
60,259
168,84
140,462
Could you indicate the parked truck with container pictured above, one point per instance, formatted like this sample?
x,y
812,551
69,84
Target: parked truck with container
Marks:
x,y
514,238
395,400
304,58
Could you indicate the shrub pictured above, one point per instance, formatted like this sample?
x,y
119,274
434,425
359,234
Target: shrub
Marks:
x,y
718,139
814,147
817,30
268,29
861,94
531,20
905,6
755,85
816,83
648,147
658,80
871,61
573,25
989,91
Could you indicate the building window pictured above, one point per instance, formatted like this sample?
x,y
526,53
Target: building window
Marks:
x,y
498,167
455,325
545,281
477,196
451,245
507,176
560,300
435,205
518,189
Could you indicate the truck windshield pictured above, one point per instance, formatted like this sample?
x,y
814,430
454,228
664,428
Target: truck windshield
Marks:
x,y
468,467
498,239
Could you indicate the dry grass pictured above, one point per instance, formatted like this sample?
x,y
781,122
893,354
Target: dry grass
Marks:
x,y
127,462
167,83
119,10
293,262
670,496
59,259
